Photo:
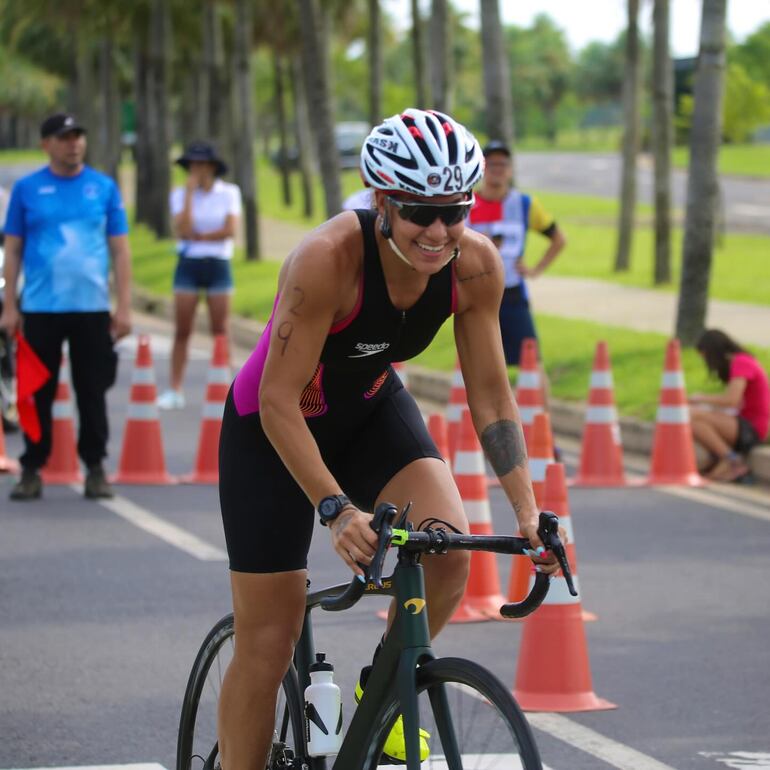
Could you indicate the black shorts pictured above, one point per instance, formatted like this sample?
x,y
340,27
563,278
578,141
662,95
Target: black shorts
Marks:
x,y
516,323
747,436
267,518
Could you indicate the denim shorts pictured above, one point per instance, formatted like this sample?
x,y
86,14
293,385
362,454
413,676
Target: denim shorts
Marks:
x,y
210,274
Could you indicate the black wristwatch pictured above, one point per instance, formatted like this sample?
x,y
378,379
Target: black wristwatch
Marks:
x,y
331,507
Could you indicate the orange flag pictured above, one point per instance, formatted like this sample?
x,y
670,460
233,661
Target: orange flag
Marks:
x,y
31,375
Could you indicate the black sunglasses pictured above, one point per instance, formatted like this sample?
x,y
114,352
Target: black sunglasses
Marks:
x,y
425,214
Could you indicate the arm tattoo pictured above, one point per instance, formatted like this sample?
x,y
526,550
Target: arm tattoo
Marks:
x,y
465,278
284,333
503,443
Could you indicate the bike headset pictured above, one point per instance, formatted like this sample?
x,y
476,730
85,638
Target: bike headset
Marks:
x,y
422,152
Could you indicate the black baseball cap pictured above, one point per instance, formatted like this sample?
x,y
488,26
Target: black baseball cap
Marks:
x,y
59,124
496,146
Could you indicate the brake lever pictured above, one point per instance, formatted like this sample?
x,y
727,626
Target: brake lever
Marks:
x,y
382,524
548,530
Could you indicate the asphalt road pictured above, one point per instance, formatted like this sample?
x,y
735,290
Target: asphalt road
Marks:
x,y
100,620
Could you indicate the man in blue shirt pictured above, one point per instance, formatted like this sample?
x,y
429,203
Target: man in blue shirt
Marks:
x,y
65,224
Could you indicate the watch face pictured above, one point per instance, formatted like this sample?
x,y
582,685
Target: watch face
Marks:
x,y
327,507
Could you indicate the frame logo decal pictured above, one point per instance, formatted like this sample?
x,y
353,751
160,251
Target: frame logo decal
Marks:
x,y
418,605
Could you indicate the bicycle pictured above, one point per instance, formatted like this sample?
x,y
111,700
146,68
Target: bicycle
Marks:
x,y
437,695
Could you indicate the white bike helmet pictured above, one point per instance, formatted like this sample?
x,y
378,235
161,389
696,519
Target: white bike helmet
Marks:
x,y
422,152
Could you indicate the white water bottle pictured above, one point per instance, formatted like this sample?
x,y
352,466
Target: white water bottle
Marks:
x,y
323,710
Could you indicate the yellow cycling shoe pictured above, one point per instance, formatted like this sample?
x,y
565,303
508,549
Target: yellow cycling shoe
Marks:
x,y
395,744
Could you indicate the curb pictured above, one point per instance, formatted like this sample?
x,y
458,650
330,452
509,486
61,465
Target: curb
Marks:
x,y
567,417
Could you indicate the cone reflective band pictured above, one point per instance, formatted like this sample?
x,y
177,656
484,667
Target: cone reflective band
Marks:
x,y
218,380
62,466
529,387
458,403
673,453
541,456
141,459
553,671
601,454
482,598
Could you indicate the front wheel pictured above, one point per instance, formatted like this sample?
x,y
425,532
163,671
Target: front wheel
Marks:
x,y
197,747
472,720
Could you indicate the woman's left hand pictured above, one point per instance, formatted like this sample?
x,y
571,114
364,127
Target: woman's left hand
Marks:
x,y
545,561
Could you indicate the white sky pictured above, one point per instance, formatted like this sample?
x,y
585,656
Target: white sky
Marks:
x,y
587,20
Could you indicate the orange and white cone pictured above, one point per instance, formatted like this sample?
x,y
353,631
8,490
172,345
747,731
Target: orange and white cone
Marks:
x,y
556,499
142,459
403,375
553,671
7,464
601,455
458,403
673,453
62,466
529,387
439,431
217,385
540,457
482,599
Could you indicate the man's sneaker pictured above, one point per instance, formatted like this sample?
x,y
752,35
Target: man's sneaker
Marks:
x,y
96,485
28,487
394,750
171,399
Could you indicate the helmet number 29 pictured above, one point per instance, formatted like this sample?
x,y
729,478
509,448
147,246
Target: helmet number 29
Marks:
x,y
453,179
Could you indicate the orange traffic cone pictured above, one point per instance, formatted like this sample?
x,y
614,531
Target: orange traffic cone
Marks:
x,y
529,387
400,368
7,464
540,457
217,384
62,466
439,431
601,455
458,403
673,454
141,459
556,499
482,599
553,672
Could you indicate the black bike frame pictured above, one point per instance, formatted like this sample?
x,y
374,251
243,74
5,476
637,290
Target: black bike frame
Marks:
x,y
406,646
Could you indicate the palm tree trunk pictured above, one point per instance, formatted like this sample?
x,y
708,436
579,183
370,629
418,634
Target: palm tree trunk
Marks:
x,y
630,140
662,138
142,146
302,135
702,180
314,31
440,33
244,146
497,86
280,115
418,52
214,109
110,124
374,43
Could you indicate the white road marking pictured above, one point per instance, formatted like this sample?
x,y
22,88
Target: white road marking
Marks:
x,y
136,766
740,759
170,533
613,753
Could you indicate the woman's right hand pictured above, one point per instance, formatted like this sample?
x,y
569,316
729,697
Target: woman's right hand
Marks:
x,y
353,538
10,320
193,181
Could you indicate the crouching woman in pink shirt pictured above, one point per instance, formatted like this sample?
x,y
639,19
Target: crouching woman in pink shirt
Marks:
x,y
730,423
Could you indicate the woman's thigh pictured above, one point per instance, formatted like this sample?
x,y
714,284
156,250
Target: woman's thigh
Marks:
x,y
726,425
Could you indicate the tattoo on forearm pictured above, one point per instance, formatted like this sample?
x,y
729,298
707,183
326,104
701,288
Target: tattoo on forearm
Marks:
x,y
503,443
283,333
299,298
517,506
463,279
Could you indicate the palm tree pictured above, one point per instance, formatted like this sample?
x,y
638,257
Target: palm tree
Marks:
x,y
497,87
630,140
418,53
702,180
440,35
374,45
662,138
315,61
244,144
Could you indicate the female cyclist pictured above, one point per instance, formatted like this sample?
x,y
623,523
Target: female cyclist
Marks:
x,y
317,419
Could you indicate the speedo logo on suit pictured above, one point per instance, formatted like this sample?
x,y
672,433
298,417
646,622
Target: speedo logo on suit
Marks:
x,y
369,349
